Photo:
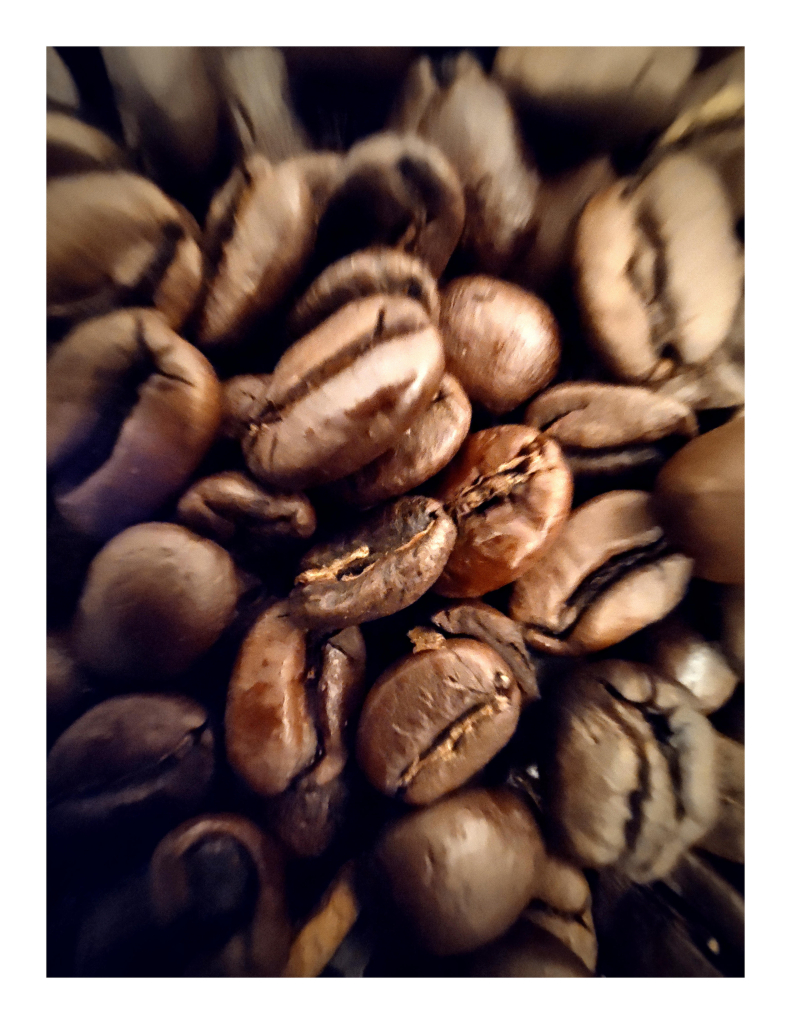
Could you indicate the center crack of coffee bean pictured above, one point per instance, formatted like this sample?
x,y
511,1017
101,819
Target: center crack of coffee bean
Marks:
x,y
489,490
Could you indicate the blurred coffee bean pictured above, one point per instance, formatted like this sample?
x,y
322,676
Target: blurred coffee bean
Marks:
x,y
681,654
467,115
376,271
631,781
157,596
434,718
528,951
482,622
622,93
231,508
382,566
562,907
501,342
169,107
61,91
458,873
218,893
659,270
68,689
308,815
131,410
323,933
699,498
114,239
726,837
131,766
426,447
343,394
260,229
732,636
509,492
607,428
398,191
608,574
253,85
74,147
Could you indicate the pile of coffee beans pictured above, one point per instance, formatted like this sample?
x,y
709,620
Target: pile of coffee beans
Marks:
x,y
395,546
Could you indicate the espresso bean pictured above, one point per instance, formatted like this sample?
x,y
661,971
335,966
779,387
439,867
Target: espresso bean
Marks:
x,y
459,872
509,493
500,341
114,239
377,271
423,450
344,393
608,574
131,410
156,597
631,780
129,765
434,718
699,497
218,881
384,565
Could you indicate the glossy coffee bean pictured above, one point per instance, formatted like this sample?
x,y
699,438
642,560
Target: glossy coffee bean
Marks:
x,y
156,597
607,428
217,889
434,718
681,654
114,239
458,873
468,116
129,765
343,394
608,574
631,780
699,497
509,493
501,342
385,564
132,409
426,447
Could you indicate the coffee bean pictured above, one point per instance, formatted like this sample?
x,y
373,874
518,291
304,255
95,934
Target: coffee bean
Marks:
x,y
344,393
131,410
74,147
681,654
434,718
501,342
156,597
509,493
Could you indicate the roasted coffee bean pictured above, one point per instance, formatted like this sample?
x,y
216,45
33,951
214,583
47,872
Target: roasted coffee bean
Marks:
x,y
631,781
423,450
467,115
500,341
308,815
156,597
482,622
343,394
621,92
230,507
243,401
563,909
114,239
681,654
726,837
608,428
699,497
659,270
460,872
61,91
131,410
169,107
217,888
130,765
272,735
68,689
377,271
399,191
528,951
384,565
558,206
74,147
509,493
260,229
436,717
608,574
253,84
